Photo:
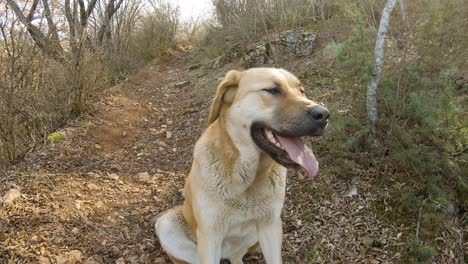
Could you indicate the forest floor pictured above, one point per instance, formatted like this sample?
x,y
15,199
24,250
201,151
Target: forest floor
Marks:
x,y
92,198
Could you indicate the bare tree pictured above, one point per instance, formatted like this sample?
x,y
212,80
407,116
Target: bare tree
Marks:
x,y
16,73
50,44
77,14
379,60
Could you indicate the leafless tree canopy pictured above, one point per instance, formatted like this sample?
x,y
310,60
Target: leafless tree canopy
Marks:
x,y
55,55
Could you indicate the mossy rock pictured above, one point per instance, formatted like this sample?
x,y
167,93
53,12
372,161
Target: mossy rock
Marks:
x,y
55,138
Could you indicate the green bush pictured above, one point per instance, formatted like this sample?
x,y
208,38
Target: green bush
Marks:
x,y
422,122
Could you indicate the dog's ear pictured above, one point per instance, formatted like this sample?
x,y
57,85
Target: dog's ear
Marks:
x,y
225,94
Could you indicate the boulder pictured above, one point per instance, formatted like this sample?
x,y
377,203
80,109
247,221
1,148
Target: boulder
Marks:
x,y
293,42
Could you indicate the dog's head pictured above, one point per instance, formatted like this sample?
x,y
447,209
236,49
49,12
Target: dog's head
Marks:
x,y
268,107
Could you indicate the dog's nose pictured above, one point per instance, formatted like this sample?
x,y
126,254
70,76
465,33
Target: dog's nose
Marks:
x,y
319,114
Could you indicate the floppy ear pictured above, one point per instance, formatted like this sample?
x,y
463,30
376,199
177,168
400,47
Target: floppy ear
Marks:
x,y
225,94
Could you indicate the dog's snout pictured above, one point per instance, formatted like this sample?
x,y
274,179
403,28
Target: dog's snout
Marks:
x,y
319,114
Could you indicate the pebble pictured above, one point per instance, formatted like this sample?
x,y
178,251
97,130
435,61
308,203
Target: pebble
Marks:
x,y
92,186
114,176
71,257
11,196
143,176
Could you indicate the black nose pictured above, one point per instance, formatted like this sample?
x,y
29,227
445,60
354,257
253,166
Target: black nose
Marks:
x,y
319,114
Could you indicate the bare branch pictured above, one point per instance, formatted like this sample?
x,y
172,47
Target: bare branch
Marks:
x,y
50,48
33,9
50,22
111,8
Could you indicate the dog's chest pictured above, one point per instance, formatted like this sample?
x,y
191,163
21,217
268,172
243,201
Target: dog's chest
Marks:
x,y
261,201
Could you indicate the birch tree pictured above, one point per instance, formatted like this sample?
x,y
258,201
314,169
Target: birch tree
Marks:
x,y
379,60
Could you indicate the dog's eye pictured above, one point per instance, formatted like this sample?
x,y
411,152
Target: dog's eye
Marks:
x,y
274,91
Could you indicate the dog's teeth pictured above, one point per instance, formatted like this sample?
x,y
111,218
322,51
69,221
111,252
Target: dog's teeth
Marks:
x,y
269,135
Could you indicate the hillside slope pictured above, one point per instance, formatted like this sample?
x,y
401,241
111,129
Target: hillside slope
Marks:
x,y
92,196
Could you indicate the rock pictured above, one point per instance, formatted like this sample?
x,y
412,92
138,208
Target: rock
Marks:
x,y
114,176
161,143
144,177
43,260
75,230
144,258
120,261
181,84
370,242
217,62
115,167
92,186
132,259
99,204
168,135
57,240
97,146
352,192
160,260
11,196
94,260
297,42
71,257
260,54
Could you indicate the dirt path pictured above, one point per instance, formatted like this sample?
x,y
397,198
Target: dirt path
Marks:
x,y
86,193
92,197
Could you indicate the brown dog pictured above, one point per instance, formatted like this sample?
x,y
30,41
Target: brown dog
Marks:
x,y
235,191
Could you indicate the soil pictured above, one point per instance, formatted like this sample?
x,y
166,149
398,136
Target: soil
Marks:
x,y
92,198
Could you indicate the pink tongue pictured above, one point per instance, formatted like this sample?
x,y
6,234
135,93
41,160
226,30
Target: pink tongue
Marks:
x,y
301,154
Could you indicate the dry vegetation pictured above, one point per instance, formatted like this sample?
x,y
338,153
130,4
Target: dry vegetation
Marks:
x,y
398,195
56,56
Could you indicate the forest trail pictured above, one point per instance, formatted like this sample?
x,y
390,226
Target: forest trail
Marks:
x,y
92,197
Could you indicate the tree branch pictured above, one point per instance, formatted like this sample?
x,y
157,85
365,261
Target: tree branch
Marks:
x,y
33,9
51,49
50,22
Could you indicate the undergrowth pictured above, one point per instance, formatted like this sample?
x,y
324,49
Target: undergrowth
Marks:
x,y
422,134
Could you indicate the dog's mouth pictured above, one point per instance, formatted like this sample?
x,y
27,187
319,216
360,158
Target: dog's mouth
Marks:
x,y
288,151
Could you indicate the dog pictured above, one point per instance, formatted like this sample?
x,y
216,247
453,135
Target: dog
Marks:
x,y
236,187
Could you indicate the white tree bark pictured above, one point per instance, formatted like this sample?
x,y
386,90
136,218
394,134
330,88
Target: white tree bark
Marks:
x,y
379,59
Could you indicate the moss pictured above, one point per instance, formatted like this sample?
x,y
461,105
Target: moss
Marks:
x,y
55,138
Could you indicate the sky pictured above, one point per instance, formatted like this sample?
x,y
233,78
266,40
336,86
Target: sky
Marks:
x,y
193,8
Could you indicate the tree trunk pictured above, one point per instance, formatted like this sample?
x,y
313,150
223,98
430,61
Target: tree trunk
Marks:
x,y
379,59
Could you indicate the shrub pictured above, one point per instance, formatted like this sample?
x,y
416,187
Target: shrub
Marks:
x,y
422,122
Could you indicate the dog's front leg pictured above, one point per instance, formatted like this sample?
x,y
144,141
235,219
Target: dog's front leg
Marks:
x,y
209,247
270,238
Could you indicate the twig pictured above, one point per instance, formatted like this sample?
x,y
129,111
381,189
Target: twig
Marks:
x,y
460,152
419,218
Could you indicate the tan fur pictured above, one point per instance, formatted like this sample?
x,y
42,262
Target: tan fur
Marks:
x,y
234,192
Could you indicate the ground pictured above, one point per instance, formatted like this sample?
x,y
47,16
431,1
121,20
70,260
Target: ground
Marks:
x,y
92,197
